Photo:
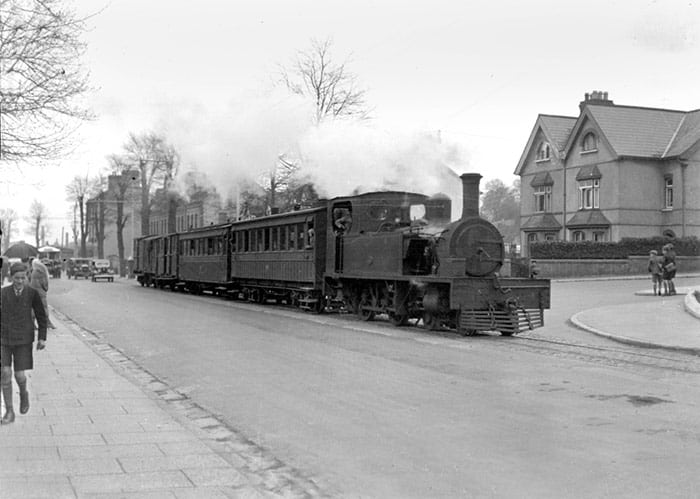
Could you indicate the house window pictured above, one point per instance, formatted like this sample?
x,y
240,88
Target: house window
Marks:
x,y
579,235
543,152
668,192
589,194
550,236
589,143
532,237
599,236
543,198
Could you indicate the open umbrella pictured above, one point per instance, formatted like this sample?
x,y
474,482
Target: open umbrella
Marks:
x,y
49,249
21,250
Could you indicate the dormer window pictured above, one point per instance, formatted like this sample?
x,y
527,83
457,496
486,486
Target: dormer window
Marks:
x,y
589,143
543,152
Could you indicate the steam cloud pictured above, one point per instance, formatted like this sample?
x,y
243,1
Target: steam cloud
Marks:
x,y
242,142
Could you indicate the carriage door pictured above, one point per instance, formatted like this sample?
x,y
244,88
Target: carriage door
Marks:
x,y
342,225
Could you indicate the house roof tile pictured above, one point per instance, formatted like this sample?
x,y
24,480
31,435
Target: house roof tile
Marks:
x,y
637,131
558,129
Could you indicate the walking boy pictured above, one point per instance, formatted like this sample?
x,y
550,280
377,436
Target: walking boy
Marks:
x,y
17,337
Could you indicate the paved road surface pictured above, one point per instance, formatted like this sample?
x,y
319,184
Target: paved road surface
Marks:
x,y
367,410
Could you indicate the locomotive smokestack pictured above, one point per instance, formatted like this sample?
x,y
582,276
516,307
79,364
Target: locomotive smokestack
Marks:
x,y
470,194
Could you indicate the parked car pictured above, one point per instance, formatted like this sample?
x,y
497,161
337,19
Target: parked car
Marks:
x,y
78,267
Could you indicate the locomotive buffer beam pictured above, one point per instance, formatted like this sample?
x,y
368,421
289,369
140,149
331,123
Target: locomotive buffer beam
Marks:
x,y
507,322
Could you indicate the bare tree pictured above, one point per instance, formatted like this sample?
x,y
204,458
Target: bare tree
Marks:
x,y
78,191
332,87
42,77
157,162
35,220
8,217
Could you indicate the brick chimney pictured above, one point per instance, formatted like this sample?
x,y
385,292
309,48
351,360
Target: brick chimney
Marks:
x,y
596,97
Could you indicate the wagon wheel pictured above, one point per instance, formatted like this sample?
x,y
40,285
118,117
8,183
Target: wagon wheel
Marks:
x,y
318,307
398,318
353,303
363,312
431,321
386,227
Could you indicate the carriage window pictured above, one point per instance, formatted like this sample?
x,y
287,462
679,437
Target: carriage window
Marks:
x,y
300,236
292,237
260,239
192,245
246,240
210,246
268,238
275,242
284,238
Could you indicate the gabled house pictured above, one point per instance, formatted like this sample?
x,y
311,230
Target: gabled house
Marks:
x,y
612,172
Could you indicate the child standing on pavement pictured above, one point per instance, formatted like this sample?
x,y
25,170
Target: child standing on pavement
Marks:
x,y
656,271
669,268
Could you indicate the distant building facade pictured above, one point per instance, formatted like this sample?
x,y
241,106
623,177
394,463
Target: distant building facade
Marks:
x,y
180,215
612,172
101,216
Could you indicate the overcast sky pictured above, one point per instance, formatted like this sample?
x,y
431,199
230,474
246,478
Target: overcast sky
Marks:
x,y
477,73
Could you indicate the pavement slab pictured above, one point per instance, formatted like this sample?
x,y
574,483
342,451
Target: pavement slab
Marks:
x,y
99,426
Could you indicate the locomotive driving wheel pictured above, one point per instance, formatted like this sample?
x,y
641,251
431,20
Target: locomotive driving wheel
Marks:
x,y
363,310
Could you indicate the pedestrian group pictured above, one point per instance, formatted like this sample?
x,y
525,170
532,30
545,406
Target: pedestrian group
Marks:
x,y
663,270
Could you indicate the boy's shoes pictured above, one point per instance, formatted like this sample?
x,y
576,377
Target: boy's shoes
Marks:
x,y
23,402
8,418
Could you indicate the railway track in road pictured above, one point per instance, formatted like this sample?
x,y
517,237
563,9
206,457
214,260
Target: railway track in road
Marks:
x,y
637,358
615,355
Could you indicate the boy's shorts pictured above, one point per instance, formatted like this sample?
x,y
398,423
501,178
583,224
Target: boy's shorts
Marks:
x,y
21,354
656,278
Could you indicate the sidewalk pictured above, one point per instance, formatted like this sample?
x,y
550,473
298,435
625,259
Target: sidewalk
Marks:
x,y
93,431
671,322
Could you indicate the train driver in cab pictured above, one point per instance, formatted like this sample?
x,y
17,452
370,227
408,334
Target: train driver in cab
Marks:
x,y
342,220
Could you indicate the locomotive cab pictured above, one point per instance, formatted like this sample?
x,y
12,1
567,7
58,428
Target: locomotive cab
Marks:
x,y
386,233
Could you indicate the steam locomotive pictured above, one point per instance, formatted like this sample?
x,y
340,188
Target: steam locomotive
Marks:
x,y
392,253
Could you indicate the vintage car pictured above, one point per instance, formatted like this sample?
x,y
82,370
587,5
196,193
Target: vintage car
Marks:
x,y
101,270
78,267
53,266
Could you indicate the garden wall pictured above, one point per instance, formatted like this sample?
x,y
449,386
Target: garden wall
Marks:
x,y
633,265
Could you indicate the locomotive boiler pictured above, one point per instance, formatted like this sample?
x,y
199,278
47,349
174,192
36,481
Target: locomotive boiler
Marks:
x,y
380,253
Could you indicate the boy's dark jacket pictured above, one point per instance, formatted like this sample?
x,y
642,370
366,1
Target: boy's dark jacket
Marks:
x,y
16,321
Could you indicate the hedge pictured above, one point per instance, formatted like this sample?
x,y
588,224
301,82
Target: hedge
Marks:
x,y
629,246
